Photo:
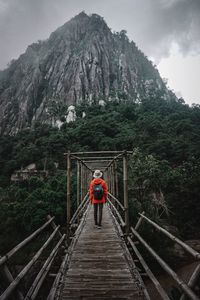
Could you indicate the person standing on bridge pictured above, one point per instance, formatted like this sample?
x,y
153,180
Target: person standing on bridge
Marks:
x,y
98,196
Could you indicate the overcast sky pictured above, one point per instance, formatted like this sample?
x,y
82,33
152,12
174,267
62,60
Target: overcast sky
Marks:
x,y
167,31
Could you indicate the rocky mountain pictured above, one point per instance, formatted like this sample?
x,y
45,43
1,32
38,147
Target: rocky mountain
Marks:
x,y
82,61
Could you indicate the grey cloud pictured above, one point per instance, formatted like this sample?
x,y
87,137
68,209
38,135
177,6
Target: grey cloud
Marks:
x,y
178,22
156,24
153,24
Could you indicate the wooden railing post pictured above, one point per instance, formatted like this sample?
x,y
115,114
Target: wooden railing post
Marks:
x,y
81,181
78,184
9,278
53,225
113,179
186,289
68,190
88,178
116,183
84,182
193,280
110,179
139,221
25,270
125,180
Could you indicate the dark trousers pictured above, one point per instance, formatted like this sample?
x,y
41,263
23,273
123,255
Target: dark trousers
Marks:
x,y
98,211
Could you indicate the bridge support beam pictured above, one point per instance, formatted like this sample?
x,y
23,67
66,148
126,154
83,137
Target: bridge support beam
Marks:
x,y
85,182
78,184
116,182
125,180
9,279
82,182
113,179
68,190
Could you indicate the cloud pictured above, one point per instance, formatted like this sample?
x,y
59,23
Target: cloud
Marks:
x,y
174,22
155,25
23,22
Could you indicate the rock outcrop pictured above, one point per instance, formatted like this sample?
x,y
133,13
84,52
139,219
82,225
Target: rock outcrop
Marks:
x,y
81,61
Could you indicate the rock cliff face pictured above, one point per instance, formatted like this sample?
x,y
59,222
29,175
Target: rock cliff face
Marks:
x,y
81,61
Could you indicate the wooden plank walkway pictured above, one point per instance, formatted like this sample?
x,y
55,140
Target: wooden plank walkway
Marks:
x,y
100,266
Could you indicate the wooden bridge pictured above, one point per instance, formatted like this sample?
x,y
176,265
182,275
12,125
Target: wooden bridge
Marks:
x,y
86,262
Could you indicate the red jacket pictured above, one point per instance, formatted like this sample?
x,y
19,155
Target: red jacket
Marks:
x,y
105,190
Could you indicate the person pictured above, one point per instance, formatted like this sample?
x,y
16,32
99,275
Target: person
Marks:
x,y
98,196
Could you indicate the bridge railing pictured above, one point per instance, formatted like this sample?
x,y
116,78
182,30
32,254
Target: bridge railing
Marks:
x,y
85,168
13,283
80,210
117,210
185,287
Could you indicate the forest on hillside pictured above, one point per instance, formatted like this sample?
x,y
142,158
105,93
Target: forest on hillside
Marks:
x,y
163,135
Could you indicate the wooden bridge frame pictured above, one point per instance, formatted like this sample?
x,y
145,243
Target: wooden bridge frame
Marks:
x,y
107,164
85,168
87,162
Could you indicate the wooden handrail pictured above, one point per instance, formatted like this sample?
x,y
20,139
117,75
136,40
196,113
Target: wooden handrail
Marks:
x,y
79,208
53,290
139,222
4,258
159,288
187,248
17,280
117,213
166,267
118,202
33,291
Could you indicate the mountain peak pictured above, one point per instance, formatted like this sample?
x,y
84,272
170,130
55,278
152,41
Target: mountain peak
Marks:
x,y
81,15
82,61
92,22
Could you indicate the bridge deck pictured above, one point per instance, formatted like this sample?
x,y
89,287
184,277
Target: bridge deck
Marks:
x,y
100,266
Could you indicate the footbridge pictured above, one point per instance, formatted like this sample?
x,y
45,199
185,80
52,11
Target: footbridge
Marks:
x,y
80,261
